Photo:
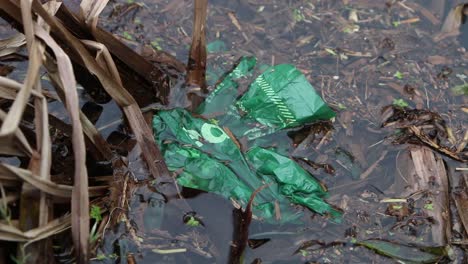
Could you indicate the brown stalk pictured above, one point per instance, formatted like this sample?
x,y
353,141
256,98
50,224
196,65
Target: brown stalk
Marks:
x,y
8,172
121,96
196,66
40,164
90,10
30,206
80,194
34,212
10,233
142,132
12,44
14,115
136,72
9,88
94,137
242,220
19,146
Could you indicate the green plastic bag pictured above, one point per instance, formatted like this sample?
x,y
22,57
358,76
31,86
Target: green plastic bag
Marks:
x,y
227,89
279,98
282,97
208,159
293,181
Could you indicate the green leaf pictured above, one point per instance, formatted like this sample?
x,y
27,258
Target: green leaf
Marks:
x,y
137,21
193,222
298,16
156,43
93,236
216,46
101,257
351,28
429,206
400,103
331,51
398,75
95,213
127,35
402,252
460,89
396,23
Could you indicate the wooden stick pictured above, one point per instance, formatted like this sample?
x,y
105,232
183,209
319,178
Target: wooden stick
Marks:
x,y
196,66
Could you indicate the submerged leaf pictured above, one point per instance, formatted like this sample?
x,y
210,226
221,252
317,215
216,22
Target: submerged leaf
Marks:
x,y
451,27
216,46
454,19
398,75
193,222
409,254
460,89
298,15
400,103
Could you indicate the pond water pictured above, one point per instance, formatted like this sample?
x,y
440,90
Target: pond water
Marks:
x,y
360,56
363,57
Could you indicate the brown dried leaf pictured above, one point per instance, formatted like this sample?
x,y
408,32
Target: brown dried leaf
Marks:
x,y
452,23
42,168
9,88
43,185
104,59
10,233
430,174
425,12
16,111
437,60
461,201
90,10
80,194
12,44
89,129
9,172
14,145
142,132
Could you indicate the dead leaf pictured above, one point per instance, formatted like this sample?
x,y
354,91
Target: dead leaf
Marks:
x,y
438,60
12,44
452,23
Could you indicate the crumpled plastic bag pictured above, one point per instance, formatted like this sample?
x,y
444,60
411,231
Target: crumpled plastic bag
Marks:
x,y
206,155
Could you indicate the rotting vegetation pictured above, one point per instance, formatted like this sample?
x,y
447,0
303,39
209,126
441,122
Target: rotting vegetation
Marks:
x,y
393,70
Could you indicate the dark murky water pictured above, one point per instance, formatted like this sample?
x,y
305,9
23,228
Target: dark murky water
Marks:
x,y
349,62
353,80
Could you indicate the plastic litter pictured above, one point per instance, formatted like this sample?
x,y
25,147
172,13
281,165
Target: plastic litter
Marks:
x,y
205,153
